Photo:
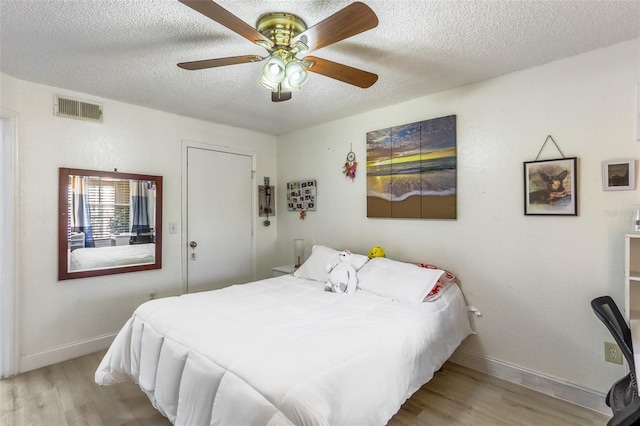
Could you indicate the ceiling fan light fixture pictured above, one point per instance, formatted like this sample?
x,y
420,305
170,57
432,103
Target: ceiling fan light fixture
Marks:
x,y
263,43
299,47
280,96
267,84
285,87
274,69
280,27
296,75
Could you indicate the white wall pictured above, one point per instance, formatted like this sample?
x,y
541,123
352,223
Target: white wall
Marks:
x,y
531,277
57,319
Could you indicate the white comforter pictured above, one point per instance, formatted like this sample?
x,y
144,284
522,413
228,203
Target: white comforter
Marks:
x,y
283,351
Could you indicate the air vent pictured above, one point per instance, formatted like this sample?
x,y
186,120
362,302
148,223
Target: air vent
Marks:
x,y
75,108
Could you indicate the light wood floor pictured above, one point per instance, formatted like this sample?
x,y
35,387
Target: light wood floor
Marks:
x,y
65,394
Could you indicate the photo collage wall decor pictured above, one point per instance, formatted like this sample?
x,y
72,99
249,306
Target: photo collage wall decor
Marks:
x,y
301,195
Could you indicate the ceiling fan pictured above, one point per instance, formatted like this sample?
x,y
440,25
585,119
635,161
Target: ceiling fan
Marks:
x,y
284,36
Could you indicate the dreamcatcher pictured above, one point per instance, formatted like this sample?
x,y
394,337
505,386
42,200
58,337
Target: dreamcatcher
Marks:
x,y
350,166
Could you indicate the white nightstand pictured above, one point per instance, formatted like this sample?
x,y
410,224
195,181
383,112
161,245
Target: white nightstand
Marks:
x,y
121,239
282,270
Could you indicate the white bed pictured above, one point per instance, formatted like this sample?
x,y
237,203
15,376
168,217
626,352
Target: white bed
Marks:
x,y
283,351
110,256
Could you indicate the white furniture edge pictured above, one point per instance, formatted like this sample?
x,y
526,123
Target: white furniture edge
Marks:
x,y
283,269
552,386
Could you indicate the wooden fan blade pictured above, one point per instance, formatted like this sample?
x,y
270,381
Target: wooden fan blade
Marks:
x,y
222,16
352,20
344,73
219,62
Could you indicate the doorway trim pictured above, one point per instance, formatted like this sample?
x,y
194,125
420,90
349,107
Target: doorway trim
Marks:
x,y
186,144
8,243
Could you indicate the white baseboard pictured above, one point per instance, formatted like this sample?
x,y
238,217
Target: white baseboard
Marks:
x,y
570,392
65,353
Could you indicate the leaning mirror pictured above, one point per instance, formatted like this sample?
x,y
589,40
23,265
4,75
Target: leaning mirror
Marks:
x,y
109,223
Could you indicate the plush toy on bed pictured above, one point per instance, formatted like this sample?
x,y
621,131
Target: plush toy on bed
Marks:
x,y
376,252
342,274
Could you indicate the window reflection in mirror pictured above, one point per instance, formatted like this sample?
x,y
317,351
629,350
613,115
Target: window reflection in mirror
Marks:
x,y
109,223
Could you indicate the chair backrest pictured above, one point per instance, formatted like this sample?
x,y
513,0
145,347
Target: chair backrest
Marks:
x,y
623,396
143,236
607,310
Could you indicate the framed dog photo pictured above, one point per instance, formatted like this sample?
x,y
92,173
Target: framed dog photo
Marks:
x,y
551,187
619,175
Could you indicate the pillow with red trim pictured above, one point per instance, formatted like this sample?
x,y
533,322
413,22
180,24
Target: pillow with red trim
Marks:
x,y
443,283
399,281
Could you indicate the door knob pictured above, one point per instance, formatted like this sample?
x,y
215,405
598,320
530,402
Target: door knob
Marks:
x,y
193,244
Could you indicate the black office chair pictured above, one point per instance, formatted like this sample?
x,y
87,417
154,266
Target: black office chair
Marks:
x,y
143,236
623,395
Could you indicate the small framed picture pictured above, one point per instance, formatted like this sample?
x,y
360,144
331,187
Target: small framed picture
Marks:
x,y
551,187
619,175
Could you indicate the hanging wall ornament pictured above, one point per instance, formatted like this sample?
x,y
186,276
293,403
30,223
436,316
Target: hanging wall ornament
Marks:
x,y
350,166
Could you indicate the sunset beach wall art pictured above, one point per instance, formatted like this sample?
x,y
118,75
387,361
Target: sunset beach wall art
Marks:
x,y
411,170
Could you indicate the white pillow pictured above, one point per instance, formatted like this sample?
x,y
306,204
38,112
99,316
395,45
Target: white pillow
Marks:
x,y
315,266
400,281
358,260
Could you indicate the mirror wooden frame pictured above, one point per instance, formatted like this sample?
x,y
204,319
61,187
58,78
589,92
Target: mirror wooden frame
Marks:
x,y
63,245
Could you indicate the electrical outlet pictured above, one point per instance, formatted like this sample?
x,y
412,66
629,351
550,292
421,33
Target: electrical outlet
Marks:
x,y
612,353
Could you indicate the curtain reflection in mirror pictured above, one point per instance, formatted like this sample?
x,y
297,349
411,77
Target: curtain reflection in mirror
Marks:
x,y
139,206
80,217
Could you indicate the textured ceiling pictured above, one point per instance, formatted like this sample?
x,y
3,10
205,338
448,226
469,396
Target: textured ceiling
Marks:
x,y
127,50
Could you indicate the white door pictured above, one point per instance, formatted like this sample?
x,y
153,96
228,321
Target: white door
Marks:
x,y
219,219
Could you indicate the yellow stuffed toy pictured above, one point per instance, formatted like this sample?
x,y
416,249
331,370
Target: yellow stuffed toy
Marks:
x,y
376,252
